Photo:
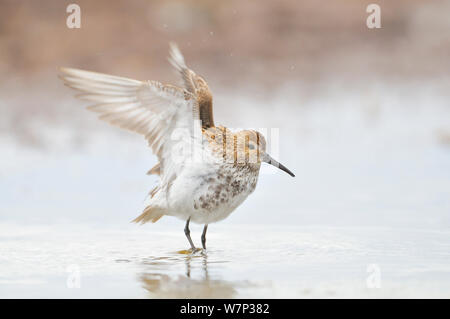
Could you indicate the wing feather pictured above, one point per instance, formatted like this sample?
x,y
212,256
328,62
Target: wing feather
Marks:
x,y
149,108
195,85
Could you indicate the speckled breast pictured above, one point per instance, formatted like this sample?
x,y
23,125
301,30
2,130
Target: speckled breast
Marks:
x,y
223,192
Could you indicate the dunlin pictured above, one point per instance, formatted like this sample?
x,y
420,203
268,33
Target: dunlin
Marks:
x,y
205,171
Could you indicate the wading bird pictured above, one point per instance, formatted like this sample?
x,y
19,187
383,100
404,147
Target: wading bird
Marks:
x,y
205,171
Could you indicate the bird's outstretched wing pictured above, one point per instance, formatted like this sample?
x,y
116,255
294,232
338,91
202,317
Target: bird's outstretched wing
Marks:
x,y
195,85
146,107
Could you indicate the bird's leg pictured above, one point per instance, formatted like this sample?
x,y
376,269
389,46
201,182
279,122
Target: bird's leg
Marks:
x,y
188,234
204,236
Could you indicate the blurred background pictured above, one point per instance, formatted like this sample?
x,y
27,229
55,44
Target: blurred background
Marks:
x,y
363,114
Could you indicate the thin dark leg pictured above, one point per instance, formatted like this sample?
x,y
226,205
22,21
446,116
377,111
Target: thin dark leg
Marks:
x,y
188,234
204,236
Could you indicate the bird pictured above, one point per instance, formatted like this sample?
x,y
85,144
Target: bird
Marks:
x,y
205,171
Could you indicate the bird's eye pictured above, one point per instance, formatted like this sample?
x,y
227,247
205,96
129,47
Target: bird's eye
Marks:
x,y
251,146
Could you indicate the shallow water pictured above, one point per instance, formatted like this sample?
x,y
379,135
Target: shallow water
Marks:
x,y
368,214
248,261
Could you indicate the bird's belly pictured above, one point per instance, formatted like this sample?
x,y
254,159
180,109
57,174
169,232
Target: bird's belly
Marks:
x,y
210,198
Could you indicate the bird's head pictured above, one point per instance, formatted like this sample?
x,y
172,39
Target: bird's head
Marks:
x,y
250,148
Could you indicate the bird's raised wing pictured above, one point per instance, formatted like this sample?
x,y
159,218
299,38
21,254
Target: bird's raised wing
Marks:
x,y
195,85
146,107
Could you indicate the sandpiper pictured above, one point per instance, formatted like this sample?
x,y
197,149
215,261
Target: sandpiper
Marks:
x,y
205,171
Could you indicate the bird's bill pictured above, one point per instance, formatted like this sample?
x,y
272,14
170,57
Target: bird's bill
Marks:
x,y
269,160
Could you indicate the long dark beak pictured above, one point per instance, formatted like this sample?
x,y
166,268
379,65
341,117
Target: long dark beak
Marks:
x,y
266,158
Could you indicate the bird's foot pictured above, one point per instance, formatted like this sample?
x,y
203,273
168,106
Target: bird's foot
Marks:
x,y
196,250
191,251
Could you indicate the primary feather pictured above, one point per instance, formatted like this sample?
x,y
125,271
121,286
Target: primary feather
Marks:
x,y
149,108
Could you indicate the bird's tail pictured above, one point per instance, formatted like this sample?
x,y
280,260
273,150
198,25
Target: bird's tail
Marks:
x,y
150,213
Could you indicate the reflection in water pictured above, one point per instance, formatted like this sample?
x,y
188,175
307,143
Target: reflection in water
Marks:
x,y
162,278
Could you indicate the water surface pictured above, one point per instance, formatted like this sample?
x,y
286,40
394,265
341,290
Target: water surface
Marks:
x,y
242,262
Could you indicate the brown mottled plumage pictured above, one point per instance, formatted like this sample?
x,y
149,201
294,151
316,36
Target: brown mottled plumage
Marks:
x,y
196,85
205,171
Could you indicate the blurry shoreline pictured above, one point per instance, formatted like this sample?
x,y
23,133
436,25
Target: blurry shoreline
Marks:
x,y
232,42
297,53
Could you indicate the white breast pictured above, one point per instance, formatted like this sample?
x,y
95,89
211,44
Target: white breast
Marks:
x,y
208,195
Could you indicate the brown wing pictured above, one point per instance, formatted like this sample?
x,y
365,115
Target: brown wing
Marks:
x,y
194,84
